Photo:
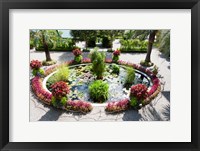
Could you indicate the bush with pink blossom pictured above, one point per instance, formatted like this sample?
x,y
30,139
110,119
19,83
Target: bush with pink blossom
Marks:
x,y
115,56
79,106
117,106
39,91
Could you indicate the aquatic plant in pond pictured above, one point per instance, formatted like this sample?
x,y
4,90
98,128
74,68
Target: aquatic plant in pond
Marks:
x,y
62,74
98,91
115,68
98,63
130,76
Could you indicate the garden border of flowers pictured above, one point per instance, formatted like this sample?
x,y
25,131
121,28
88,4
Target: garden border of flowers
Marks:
x,y
84,106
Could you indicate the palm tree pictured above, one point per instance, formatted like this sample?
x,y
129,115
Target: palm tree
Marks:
x,y
128,34
142,35
45,37
150,45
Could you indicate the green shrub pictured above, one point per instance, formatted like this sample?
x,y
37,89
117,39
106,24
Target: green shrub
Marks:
x,y
98,91
39,72
63,73
146,64
59,103
144,45
133,45
115,68
130,75
115,59
133,102
63,44
155,70
98,63
78,59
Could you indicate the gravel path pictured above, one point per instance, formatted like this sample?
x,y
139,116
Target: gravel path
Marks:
x,y
157,110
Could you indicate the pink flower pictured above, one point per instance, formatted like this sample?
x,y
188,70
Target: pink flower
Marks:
x,y
37,88
117,106
78,105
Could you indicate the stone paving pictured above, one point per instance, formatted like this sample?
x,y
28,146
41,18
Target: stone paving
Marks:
x,y
157,110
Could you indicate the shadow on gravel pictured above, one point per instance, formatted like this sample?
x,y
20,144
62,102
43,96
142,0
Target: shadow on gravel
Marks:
x,y
166,94
131,115
52,115
162,55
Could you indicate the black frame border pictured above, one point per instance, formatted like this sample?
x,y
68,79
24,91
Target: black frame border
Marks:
x,y
5,5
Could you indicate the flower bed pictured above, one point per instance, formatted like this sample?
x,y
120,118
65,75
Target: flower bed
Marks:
x,y
117,106
79,106
40,92
83,106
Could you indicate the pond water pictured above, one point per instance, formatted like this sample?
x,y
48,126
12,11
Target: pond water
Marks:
x,y
81,77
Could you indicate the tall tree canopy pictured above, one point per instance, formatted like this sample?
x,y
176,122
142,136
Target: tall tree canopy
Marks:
x,y
46,38
83,35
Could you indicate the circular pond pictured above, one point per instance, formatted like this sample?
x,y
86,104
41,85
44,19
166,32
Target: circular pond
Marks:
x,y
81,76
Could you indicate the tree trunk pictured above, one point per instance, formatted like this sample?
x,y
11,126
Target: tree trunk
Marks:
x,y
86,44
46,49
48,57
150,45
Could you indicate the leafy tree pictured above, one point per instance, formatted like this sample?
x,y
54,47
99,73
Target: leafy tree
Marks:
x,y
128,34
150,45
110,34
164,42
46,38
84,35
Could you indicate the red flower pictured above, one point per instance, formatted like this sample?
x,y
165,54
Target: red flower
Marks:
x,y
116,53
77,52
60,89
139,91
35,64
